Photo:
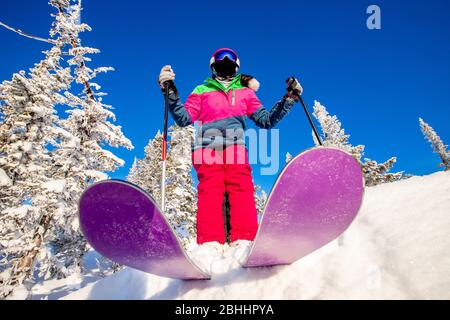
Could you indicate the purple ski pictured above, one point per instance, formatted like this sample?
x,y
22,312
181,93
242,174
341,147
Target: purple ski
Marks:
x,y
123,223
314,200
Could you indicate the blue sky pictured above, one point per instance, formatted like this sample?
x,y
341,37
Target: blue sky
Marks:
x,y
378,82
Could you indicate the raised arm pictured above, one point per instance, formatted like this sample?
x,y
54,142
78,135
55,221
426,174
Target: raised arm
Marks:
x,y
269,119
186,114
183,114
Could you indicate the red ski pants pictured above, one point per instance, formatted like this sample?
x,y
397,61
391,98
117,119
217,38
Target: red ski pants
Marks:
x,y
221,171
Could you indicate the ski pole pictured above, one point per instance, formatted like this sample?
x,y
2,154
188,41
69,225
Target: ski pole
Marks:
x,y
311,121
164,145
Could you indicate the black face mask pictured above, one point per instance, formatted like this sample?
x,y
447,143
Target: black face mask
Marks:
x,y
225,68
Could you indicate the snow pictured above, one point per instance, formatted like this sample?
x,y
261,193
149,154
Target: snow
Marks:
x,y
96,175
4,179
19,212
109,155
397,248
215,258
56,186
27,146
55,289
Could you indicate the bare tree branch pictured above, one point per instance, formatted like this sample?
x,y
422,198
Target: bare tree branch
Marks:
x,y
18,31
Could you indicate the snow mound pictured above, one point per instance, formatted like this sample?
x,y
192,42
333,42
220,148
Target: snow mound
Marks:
x,y
53,289
397,248
214,258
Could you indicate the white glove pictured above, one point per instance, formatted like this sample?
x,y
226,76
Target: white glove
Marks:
x,y
166,74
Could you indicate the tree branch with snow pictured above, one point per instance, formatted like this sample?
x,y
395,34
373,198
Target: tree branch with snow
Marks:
x,y
333,135
436,143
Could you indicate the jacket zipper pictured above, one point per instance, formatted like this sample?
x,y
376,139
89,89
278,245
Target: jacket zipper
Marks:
x,y
233,94
232,97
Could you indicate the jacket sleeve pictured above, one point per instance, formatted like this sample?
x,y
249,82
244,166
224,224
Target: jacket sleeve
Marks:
x,y
186,114
267,119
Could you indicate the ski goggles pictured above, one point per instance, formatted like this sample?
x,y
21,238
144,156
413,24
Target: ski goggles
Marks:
x,y
221,54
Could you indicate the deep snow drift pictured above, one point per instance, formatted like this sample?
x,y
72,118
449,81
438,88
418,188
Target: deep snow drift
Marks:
x,y
397,248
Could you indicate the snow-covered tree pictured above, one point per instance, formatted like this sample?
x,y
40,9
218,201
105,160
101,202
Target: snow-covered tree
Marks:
x,y
30,126
436,143
377,173
333,135
260,200
81,158
134,171
146,172
47,161
181,197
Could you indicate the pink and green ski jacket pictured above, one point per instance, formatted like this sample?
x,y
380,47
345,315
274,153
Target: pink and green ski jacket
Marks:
x,y
221,112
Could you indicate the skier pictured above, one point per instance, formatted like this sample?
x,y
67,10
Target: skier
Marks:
x,y
220,106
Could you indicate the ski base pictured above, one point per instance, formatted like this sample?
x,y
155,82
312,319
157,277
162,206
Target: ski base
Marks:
x,y
123,223
314,200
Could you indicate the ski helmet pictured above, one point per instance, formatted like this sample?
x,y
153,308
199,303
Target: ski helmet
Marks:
x,y
224,63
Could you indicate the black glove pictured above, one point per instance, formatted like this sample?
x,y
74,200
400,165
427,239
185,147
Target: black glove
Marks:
x,y
172,87
294,89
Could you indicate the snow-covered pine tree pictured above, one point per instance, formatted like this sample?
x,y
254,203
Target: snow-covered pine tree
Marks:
x,y
146,173
436,143
377,173
49,162
260,200
29,127
134,171
181,197
333,135
82,158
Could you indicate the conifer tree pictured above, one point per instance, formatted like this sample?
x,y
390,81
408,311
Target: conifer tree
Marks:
x,y
436,143
46,162
30,125
260,200
333,135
